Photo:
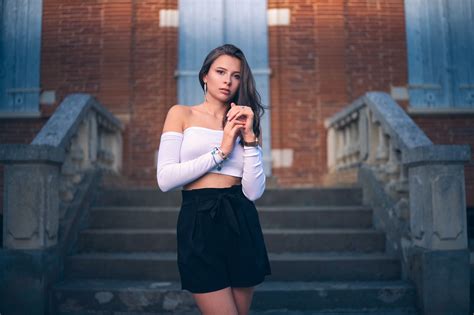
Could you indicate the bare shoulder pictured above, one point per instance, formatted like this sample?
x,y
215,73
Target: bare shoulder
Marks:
x,y
176,118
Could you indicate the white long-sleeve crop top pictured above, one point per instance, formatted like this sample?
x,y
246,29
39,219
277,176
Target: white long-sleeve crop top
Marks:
x,y
184,157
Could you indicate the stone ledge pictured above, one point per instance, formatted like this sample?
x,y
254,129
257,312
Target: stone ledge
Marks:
x,y
437,154
68,116
27,153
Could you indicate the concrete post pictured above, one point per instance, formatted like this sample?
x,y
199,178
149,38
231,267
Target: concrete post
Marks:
x,y
440,257
29,262
31,200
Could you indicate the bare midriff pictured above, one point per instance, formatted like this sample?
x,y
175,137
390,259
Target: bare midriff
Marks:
x,y
213,180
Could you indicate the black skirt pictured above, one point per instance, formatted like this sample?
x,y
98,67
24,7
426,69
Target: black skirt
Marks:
x,y
220,240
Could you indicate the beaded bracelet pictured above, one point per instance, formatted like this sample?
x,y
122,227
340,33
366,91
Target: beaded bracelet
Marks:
x,y
213,152
223,155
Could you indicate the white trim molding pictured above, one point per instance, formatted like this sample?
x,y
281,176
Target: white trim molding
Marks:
x,y
440,111
169,18
280,16
13,115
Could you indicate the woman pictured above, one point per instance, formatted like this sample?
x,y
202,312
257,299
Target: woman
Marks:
x,y
212,150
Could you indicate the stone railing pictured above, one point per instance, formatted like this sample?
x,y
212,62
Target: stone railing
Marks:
x,y
416,190
43,180
49,186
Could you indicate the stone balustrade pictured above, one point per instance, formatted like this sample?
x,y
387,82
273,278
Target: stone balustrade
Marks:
x,y
417,192
42,179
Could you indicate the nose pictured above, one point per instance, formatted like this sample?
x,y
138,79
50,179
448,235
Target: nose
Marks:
x,y
228,80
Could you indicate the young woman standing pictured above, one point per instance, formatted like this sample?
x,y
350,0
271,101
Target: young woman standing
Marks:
x,y
213,151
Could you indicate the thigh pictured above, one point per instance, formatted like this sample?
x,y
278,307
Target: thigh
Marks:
x,y
220,302
243,299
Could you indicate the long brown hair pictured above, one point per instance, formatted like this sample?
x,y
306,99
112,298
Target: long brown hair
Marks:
x,y
247,93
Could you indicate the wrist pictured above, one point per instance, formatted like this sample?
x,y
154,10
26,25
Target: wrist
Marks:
x,y
248,137
250,141
223,154
224,150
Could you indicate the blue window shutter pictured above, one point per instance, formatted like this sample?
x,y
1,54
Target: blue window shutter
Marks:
x,y
461,27
428,54
440,46
20,54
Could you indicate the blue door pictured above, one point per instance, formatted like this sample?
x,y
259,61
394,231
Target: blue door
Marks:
x,y
20,44
204,25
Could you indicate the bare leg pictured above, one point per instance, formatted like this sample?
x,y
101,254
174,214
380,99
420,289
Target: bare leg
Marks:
x,y
219,302
243,299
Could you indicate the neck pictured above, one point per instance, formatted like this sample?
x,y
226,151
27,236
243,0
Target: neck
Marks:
x,y
215,108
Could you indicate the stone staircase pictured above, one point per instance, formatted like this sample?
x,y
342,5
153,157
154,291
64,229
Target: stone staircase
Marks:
x,y
325,255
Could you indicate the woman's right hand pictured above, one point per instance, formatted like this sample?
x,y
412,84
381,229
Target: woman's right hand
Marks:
x,y
231,131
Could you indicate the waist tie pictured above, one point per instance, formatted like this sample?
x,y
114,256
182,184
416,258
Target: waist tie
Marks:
x,y
221,205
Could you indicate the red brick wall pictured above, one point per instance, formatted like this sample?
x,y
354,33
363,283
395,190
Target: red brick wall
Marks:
x,y
376,45
293,92
452,129
155,51
332,52
71,47
116,51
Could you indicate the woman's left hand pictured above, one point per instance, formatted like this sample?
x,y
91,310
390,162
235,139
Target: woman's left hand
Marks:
x,y
243,113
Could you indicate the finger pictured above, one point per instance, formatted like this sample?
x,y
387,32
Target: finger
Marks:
x,y
233,106
237,128
233,115
237,122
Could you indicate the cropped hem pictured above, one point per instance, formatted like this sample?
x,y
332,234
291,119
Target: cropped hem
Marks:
x,y
206,290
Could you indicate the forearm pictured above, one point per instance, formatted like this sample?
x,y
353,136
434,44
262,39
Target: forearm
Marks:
x,y
171,173
253,177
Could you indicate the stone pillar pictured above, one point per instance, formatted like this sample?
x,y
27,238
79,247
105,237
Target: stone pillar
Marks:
x,y
440,257
31,200
29,261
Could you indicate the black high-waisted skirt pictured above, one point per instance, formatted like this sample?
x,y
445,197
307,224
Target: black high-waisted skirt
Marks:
x,y
220,240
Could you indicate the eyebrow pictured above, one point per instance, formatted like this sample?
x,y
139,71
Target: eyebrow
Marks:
x,y
226,69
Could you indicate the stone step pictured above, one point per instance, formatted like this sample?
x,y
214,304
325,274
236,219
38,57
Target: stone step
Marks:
x,y
276,240
146,197
270,217
285,267
74,297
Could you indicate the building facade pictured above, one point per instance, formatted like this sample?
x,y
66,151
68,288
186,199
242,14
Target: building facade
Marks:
x,y
311,59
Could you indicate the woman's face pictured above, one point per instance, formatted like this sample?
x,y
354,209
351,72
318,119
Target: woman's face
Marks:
x,y
223,78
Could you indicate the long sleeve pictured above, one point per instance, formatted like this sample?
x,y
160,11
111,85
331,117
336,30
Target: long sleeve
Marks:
x,y
170,173
253,177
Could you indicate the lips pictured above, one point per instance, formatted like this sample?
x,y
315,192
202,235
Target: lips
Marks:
x,y
226,91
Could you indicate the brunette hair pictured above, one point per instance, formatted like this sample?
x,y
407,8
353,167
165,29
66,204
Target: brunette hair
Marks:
x,y
247,93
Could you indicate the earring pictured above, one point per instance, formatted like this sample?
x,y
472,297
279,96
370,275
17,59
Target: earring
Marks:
x,y
205,91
